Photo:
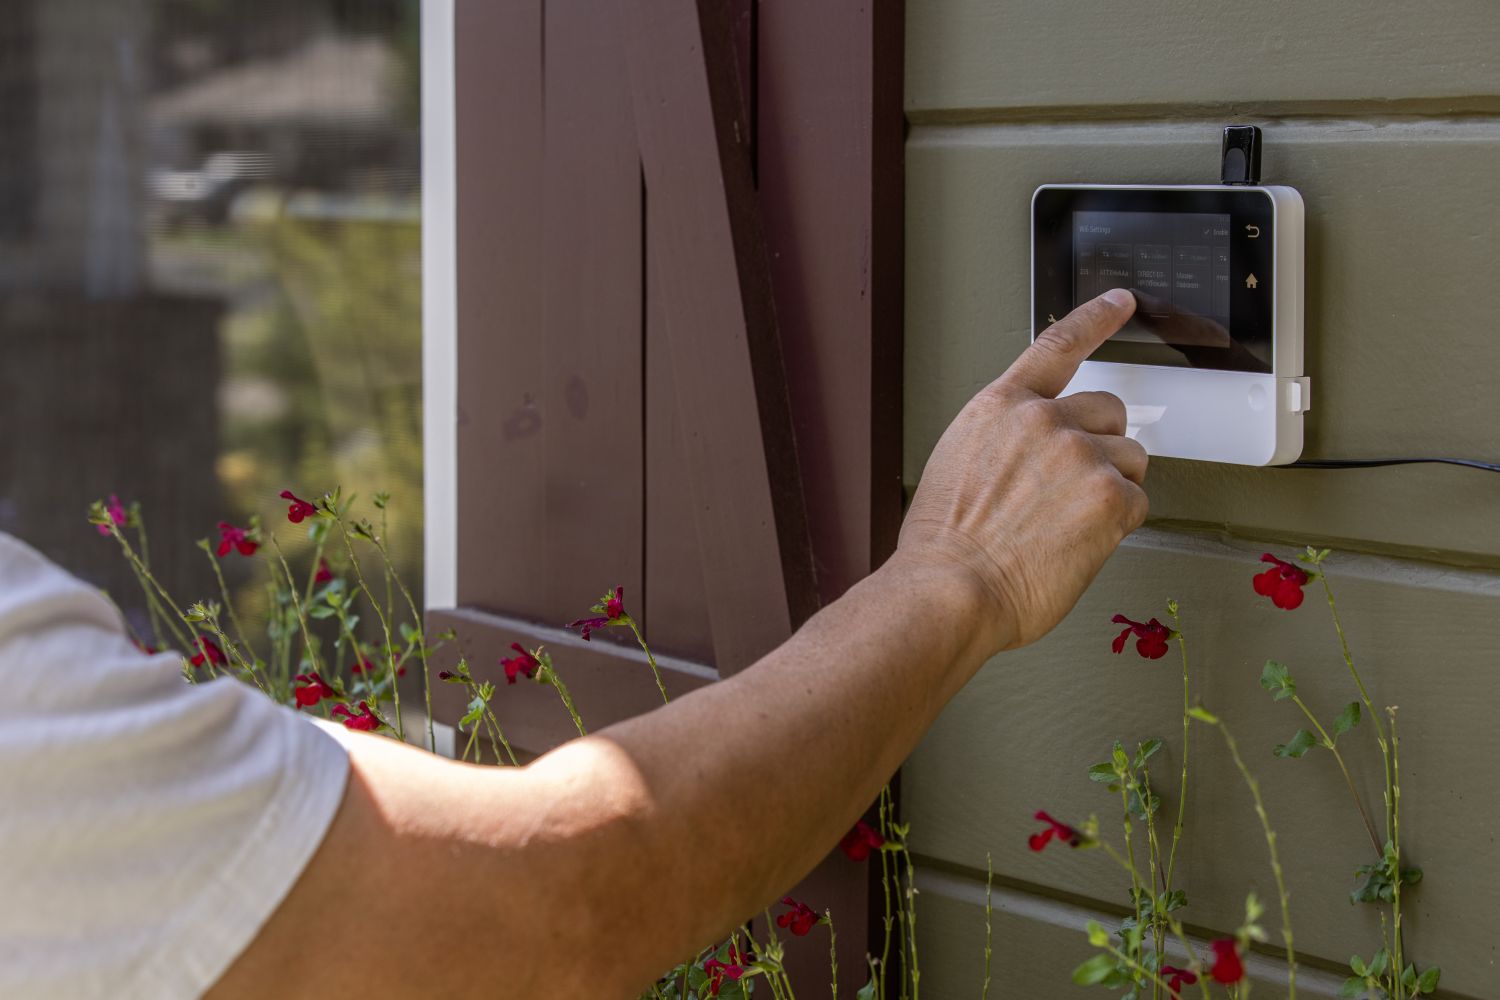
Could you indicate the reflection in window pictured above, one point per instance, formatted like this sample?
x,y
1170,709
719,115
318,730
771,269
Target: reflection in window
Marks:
x,y
209,271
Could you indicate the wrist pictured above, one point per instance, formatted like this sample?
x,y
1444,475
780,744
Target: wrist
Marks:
x,y
957,595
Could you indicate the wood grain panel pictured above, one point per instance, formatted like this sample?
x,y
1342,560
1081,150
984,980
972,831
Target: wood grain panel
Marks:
x,y
1022,735
501,307
591,398
1008,54
1398,332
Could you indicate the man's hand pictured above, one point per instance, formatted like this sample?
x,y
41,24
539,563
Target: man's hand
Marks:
x,y
1030,493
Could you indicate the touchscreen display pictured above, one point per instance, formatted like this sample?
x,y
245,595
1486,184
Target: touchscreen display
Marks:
x,y
1198,264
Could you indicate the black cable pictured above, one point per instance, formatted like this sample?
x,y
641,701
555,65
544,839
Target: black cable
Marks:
x,y
1372,463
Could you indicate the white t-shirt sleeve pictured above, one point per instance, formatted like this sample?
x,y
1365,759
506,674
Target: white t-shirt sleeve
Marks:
x,y
148,827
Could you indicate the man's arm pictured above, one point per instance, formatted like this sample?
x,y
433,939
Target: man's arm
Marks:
x,y
611,858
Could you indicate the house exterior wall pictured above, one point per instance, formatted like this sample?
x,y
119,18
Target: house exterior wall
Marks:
x,y
1387,118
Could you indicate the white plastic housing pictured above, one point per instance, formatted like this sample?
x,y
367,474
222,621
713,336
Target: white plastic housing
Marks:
x,y
1243,418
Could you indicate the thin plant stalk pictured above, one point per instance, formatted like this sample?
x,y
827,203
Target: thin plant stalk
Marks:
x,y
1281,891
307,638
548,675
1186,734
1332,746
1178,931
1385,750
391,574
153,609
385,630
655,673
234,616
833,954
989,911
886,807
143,572
1398,953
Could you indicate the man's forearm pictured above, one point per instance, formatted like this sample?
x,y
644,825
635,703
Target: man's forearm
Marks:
x,y
825,719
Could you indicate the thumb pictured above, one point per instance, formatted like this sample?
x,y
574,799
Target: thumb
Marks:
x,y
1049,364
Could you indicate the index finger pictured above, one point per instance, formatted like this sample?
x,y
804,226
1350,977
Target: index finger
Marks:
x,y
1049,364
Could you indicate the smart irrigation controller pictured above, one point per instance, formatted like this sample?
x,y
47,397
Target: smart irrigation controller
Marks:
x,y
1210,366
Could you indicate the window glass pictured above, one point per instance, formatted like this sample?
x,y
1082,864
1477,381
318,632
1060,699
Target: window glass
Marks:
x,y
209,274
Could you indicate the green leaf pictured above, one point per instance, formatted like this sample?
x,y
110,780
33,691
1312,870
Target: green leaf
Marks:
x,y
1103,773
1358,967
321,611
1302,742
866,992
1353,987
1098,936
475,713
1203,715
1347,720
1175,900
1409,977
1380,963
1277,679
1094,971
1411,876
1427,982
1145,751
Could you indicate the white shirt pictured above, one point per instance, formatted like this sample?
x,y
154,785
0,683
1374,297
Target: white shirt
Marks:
x,y
148,827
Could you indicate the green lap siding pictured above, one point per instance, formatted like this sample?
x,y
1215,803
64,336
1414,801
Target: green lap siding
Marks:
x,y
1387,118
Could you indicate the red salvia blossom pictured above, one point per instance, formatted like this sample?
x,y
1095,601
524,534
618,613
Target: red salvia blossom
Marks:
x,y
611,610
523,663
143,647
116,512
238,539
362,665
1282,583
298,509
1062,831
364,719
324,573
1178,978
860,841
208,652
314,690
1151,637
800,919
1227,967
718,970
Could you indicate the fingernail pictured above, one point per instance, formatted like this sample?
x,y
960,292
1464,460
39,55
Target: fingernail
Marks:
x,y
1119,297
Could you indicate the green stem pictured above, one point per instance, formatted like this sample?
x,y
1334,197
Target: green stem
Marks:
x,y
1182,789
143,573
153,608
649,659
1265,823
1332,746
494,725
989,910
234,617
391,574
1385,750
911,917
1135,880
887,806
833,954
307,638
551,677
473,732
385,629
1173,923
1398,943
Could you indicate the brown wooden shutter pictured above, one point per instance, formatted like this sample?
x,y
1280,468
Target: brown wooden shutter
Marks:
x,y
679,314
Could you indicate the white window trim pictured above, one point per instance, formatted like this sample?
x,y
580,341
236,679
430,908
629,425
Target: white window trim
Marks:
x,y
439,307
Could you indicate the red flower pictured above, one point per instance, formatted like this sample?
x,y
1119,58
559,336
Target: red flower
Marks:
x,y
1282,583
799,919
298,509
314,691
364,719
209,651
1227,967
718,970
522,663
148,650
116,512
1177,978
1061,831
364,666
860,841
611,610
1152,637
231,537
324,574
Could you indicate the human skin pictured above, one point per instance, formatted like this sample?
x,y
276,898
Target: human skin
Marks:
x,y
604,862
